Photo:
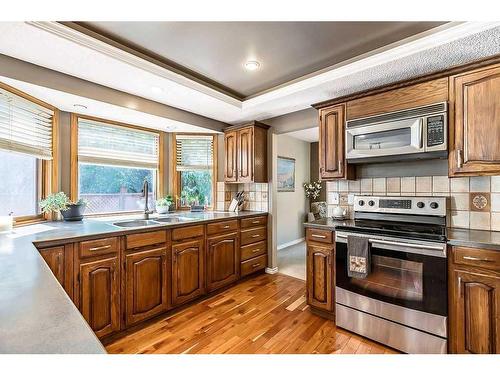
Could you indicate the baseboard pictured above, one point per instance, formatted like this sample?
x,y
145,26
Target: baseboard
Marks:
x,y
272,271
294,242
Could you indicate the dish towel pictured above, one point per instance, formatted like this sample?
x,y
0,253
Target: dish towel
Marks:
x,y
358,257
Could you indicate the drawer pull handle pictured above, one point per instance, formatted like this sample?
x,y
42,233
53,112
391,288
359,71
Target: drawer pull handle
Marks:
x,y
226,227
318,235
255,265
255,235
100,248
256,222
478,259
256,250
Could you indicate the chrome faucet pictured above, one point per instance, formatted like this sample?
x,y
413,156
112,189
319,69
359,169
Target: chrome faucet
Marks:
x,y
145,190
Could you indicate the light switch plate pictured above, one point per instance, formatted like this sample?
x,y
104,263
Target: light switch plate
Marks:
x,y
333,198
350,199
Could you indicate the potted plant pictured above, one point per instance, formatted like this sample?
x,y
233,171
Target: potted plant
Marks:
x,y
163,205
312,189
59,202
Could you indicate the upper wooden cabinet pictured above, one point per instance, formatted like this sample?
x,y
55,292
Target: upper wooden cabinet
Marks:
x,y
332,161
245,153
475,112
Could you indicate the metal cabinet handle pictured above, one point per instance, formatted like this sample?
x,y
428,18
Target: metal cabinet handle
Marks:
x,y
255,265
318,236
255,235
255,250
226,227
478,259
459,159
340,166
100,248
256,222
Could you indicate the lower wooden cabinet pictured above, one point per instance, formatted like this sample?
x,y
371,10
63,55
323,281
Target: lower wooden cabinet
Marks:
x,y
320,276
474,299
146,284
99,299
60,261
223,260
187,271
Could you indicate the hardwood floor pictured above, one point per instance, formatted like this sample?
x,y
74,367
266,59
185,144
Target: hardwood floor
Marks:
x,y
266,314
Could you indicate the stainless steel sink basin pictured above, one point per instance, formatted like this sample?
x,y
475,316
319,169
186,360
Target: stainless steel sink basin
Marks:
x,y
135,223
173,219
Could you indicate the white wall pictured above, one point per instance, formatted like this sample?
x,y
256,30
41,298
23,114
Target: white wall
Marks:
x,y
292,207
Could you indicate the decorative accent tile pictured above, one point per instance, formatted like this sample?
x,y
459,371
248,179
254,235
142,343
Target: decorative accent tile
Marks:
x,y
459,184
393,185
480,184
440,184
480,220
423,185
480,202
379,185
366,185
407,184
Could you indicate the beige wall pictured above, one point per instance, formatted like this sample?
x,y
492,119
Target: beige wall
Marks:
x,y
292,207
299,120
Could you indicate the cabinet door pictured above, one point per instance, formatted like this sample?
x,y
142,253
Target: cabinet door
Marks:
x,y
320,267
475,313
476,98
223,261
54,257
100,295
187,271
332,163
146,287
245,155
230,157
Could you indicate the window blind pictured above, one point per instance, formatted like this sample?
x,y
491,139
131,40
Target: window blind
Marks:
x,y
25,127
102,143
194,152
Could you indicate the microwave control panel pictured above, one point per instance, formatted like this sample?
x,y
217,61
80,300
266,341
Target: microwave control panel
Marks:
x,y
435,130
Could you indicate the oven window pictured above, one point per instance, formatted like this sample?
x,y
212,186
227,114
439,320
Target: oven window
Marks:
x,y
383,140
394,278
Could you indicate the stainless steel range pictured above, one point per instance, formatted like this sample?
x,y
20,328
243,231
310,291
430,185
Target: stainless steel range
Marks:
x,y
403,301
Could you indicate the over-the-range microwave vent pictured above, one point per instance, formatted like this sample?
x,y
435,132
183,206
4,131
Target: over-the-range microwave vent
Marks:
x,y
399,115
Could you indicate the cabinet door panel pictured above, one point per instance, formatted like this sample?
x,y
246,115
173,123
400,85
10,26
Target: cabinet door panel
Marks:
x,y
187,271
476,98
222,261
475,319
146,284
230,154
245,155
99,295
54,257
320,277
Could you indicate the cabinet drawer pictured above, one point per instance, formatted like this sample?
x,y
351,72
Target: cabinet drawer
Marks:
x,y
146,239
94,248
253,265
253,250
319,235
222,226
488,259
254,222
253,235
187,232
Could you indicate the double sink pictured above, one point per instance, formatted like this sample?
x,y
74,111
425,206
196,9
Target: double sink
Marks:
x,y
148,223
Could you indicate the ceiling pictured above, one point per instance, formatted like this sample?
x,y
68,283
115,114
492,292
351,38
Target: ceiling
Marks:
x,y
216,52
308,135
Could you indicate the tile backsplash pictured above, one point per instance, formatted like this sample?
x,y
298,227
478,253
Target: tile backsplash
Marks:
x,y
458,190
256,196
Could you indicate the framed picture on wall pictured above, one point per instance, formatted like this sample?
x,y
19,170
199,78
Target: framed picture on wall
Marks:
x,y
286,174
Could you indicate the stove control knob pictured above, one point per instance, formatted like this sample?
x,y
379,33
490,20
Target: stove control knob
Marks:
x,y
371,203
361,202
420,204
434,205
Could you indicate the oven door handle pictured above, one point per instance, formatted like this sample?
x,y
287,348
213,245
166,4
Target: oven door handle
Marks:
x,y
395,243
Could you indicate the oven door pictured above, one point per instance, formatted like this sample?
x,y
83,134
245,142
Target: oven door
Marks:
x,y
385,139
408,273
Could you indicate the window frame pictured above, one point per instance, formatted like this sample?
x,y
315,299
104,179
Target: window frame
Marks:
x,y
49,176
74,159
176,183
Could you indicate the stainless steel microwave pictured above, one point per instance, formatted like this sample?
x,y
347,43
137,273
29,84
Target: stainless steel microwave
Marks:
x,y
417,133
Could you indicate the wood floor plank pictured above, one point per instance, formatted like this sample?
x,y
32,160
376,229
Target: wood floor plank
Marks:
x,y
265,314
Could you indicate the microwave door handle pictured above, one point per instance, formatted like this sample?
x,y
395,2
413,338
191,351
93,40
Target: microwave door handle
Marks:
x,y
421,133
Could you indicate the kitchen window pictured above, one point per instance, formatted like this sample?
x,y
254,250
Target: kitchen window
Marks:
x,y
111,164
28,134
195,169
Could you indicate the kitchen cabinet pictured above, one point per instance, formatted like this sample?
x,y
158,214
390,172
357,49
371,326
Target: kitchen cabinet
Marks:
x,y
332,161
99,294
223,260
474,298
245,153
253,245
60,261
187,270
320,270
146,284
475,123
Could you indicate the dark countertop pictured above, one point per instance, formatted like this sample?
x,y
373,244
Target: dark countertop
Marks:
x,y
36,315
484,239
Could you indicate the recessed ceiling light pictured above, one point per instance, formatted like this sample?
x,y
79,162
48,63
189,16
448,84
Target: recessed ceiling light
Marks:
x,y
156,89
80,106
252,65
